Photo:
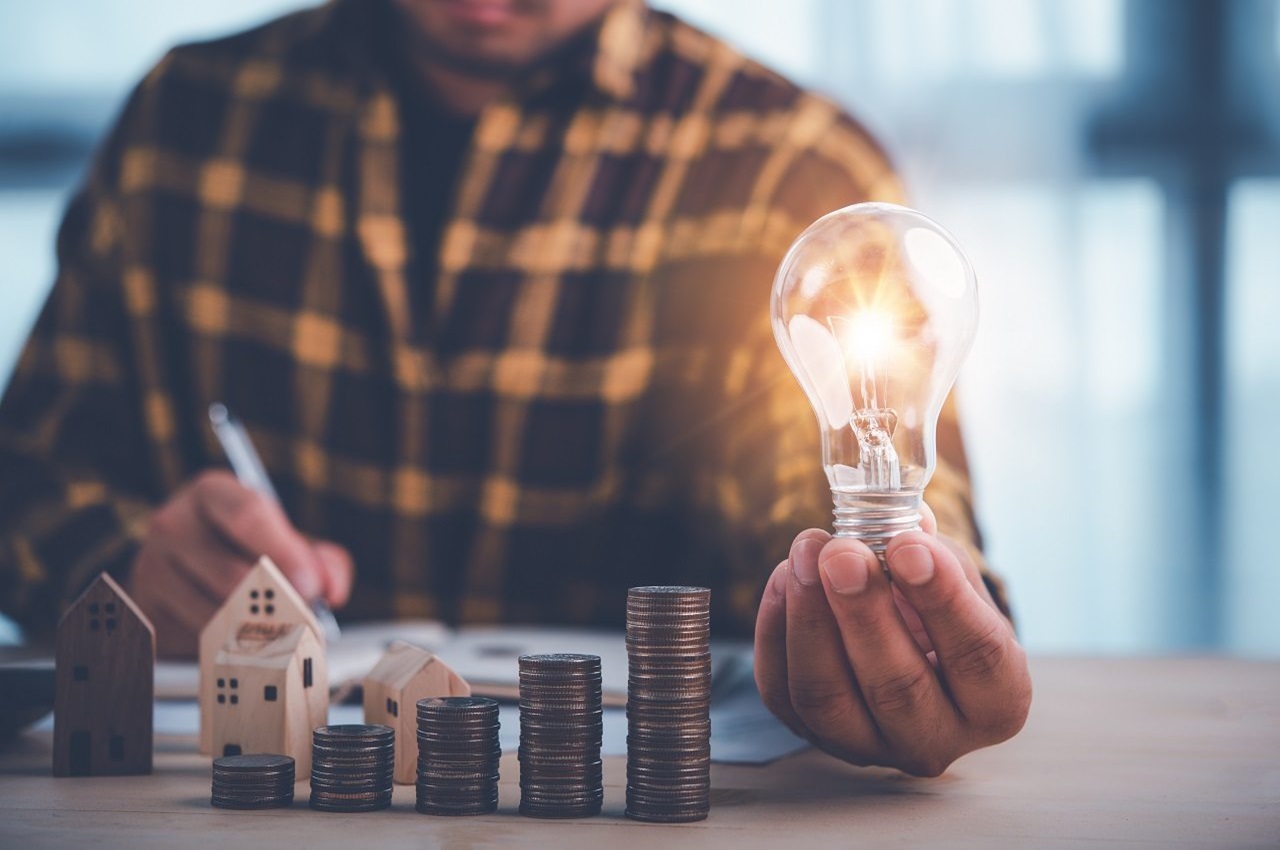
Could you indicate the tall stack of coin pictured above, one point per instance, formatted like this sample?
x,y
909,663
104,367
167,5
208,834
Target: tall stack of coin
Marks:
x,y
668,703
561,724
458,754
252,782
352,767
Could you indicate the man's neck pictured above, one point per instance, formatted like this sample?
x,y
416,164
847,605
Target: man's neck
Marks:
x,y
457,92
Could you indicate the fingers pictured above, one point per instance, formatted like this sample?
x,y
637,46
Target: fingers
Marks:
x,y
898,684
929,525
173,639
195,552
255,524
177,608
821,686
771,650
203,541
971,571
928,522
339,572
911,618
980,661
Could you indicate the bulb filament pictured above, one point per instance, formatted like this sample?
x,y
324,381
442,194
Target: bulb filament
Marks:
x,y
874,429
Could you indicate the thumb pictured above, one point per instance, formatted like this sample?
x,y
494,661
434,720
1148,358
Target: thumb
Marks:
x,y
339,571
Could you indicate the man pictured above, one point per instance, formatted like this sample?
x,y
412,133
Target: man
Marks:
x,y
488,282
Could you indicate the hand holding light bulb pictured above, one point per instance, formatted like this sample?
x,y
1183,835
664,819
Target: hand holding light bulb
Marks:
x,y
881,644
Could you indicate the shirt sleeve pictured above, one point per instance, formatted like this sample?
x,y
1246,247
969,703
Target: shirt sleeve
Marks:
x,y
73,452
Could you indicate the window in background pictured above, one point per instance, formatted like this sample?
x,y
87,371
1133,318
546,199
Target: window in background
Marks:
x,y
1253,369
28,220
1253,397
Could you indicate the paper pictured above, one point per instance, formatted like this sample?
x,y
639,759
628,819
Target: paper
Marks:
x,y
350,657
742,729
486,656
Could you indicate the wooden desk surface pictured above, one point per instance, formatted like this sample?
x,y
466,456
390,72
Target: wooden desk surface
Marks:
x,y
1133,752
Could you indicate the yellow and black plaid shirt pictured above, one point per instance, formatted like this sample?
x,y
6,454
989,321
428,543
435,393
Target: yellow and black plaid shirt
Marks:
x,y
586,397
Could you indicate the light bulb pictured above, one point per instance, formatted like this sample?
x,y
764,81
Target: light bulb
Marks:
x,y
874,308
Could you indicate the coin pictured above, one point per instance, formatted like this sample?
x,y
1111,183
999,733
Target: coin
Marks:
x,y
352,767
252,781
668,703
561,723
458,756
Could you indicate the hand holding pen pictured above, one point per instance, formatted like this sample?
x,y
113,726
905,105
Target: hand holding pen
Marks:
x,y
201,543
249,470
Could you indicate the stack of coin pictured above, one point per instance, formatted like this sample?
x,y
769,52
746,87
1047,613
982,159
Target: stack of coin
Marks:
x,y
561,723
252,782
352,767
458,754
668,703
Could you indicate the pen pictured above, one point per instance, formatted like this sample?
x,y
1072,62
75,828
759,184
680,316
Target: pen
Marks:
x,y
249,470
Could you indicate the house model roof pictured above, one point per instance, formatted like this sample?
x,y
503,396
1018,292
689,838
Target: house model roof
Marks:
x,y
400,663
105,589
288,604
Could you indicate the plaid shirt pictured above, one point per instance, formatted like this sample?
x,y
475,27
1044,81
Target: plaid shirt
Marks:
x,y
591,398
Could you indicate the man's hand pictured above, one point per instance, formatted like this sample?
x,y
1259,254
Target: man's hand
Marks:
x,y
911,674
201,543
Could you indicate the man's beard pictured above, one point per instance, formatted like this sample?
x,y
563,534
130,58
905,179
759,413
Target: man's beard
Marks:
x,y
417,41
477,67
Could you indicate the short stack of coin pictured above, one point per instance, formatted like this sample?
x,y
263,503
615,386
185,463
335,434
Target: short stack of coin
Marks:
x,y
458,755
668,704
253,782
352,767
561,724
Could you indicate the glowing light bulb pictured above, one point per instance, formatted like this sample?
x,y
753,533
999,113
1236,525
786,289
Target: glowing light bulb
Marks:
x,y
874,308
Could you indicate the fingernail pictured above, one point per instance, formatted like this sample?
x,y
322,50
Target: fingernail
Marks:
x,y
847,571
913,564
804,561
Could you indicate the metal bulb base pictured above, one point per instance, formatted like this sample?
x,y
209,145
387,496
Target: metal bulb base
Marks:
x,y
876,518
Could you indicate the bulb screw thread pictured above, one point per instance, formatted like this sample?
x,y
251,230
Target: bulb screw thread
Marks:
x,y
876,518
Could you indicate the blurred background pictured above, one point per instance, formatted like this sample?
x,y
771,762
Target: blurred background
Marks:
x,y
1113,169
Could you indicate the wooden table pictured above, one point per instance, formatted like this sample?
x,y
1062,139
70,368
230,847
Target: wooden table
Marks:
x,y
1129,752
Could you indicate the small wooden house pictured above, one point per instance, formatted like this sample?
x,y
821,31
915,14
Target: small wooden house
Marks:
x,y
271,688
404,675
105,685
264,597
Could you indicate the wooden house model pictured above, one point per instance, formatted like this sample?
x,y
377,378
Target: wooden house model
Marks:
x,y
105,685
404,675
264,597
271,688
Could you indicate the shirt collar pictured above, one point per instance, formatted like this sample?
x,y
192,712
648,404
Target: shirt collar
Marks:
x,y
618,49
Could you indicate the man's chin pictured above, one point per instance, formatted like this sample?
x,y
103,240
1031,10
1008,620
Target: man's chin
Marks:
x,y
478,65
